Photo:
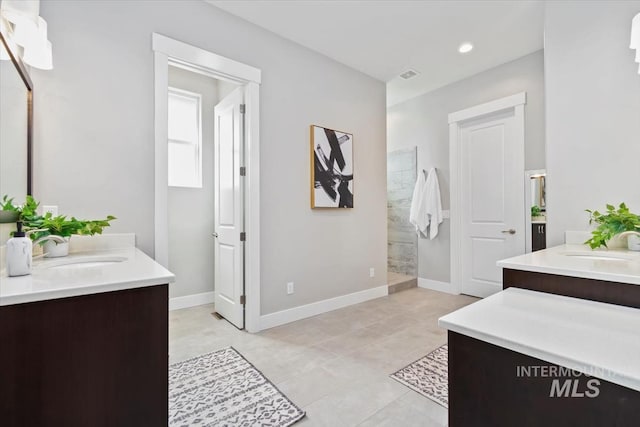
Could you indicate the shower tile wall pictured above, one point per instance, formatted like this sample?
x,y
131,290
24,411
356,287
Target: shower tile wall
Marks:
x,y
402,246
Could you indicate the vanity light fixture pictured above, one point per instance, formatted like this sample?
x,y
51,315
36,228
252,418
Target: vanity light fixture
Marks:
x,y
24,27
465,47
635,37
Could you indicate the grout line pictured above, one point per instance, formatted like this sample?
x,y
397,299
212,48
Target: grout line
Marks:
x,y
383,407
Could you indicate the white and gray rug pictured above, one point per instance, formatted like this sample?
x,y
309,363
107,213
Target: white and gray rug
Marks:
x,y
223,389
428,376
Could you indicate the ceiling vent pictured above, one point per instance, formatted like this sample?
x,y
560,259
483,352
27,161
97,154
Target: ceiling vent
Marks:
x,y
409,74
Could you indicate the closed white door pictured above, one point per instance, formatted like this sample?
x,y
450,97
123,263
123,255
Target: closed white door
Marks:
x,y
492,198
229,209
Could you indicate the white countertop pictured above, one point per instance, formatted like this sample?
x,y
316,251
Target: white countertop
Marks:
x,y
581,261
51,280
591,337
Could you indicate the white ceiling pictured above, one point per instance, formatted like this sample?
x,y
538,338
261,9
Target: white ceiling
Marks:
x,y
384,38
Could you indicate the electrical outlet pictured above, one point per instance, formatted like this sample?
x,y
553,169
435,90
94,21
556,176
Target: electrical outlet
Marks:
x,y
289,288
372,272
50,208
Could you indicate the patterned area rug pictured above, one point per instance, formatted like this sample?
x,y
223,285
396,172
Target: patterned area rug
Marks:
x,y
223,389
428,376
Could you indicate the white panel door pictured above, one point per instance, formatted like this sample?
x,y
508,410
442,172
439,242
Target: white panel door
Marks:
x,y
229,209
492,198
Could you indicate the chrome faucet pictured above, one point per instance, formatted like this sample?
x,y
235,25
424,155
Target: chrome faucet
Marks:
x,y
53,237
629,233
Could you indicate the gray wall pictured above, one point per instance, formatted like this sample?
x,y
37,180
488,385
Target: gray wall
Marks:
x,y
423,122
593,111
402,248
190,209
95,141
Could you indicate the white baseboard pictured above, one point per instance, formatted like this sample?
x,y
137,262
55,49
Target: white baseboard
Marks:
x,y
302,312
187,301
436,285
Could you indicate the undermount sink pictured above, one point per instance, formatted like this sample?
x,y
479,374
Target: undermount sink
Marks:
x,y
601,256
84,262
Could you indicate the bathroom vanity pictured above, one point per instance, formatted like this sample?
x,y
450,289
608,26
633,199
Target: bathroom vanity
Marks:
x,y
538,235
526,358
558,346
609,275
84,341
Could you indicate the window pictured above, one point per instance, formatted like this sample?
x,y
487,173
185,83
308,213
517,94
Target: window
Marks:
x,y
185,139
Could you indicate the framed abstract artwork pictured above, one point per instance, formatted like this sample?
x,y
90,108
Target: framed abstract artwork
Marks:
x,y
331,168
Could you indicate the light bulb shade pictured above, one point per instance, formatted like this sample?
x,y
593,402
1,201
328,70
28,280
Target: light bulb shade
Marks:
x,y
25,32
16,11
37,49
29,31
635,32
39,56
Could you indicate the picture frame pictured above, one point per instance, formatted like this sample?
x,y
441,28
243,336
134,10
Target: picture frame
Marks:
x,y
332,179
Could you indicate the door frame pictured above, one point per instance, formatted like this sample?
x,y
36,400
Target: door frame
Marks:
x,y
170,51
456,121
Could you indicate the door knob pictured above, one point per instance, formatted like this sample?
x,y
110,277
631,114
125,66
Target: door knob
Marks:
x,y
509,231
214,234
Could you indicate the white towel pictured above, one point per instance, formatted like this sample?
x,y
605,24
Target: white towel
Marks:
x,y
426,207
432,202
416,215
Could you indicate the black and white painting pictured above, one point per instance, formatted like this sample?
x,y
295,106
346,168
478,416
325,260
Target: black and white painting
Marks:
x,y
331,168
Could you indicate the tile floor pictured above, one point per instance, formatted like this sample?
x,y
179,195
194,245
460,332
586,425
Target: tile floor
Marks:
x,y
336,365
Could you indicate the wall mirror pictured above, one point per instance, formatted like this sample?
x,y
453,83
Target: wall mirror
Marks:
x,y
536,197
16,125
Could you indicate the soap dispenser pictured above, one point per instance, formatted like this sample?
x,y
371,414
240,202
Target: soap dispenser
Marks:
x,y
19,252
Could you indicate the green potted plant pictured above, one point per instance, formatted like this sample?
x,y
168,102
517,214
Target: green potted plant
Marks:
x,y
536,213
8,211
54,232
13,213
615,222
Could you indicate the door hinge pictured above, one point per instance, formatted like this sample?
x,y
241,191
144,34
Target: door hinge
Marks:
x,y
243,108
243,236
243,171
243,299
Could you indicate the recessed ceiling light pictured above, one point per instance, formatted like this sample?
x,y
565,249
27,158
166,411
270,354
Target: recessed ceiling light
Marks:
x,y
465,48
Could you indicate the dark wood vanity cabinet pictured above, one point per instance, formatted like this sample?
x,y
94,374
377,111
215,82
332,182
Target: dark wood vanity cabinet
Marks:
x,y
496,395
538,237
596,290
92,360
486,391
